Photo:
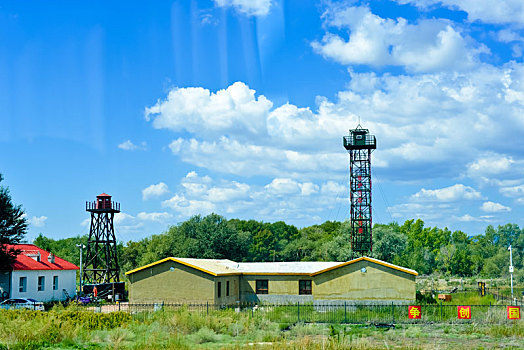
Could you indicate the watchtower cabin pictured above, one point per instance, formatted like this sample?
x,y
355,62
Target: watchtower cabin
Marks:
x,y
103,203
101,263
360,144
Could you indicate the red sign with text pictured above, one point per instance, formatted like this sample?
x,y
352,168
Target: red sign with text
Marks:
x,y
464,312
513,312
414,311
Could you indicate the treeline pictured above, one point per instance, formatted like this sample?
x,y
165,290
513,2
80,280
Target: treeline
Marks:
x,y
429,250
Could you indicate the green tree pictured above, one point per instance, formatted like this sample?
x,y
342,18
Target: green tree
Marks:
x,y
212,237
64,248
13,226
388,242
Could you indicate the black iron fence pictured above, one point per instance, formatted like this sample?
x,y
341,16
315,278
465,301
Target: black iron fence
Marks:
x,y
342,312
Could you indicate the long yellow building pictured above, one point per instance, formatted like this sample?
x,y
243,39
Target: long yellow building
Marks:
x,y
185,280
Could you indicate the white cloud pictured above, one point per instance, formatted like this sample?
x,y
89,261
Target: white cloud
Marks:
x,y
489,11
448,194
302,143
247,7
38,221
308,188
450,125
430,212
282,187
228,155
281,198
428,46
197,110
130,146
492,164
123,218
492,207
152,191
231,192
469,218
333,188
513,191
159,217
190,207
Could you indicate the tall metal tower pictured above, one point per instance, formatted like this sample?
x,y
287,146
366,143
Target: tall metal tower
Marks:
x,y
101,262
360,145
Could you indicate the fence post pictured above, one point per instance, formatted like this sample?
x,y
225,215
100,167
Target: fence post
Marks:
x,y
393,312
345,312
441,311
298,311
207,307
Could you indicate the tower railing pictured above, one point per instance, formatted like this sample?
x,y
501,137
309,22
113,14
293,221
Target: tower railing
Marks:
x,y
93,206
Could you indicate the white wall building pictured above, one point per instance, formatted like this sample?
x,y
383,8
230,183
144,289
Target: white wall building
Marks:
x,y
39,275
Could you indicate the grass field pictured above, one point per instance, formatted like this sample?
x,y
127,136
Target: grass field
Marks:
x,y
73,328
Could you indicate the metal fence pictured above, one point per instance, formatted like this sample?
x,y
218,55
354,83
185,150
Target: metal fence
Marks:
x,y
347,313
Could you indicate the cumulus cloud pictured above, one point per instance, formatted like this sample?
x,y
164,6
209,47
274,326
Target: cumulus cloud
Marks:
x,y
281,198
298,142
447,194
283,187
228,155
428,46
159,217
492,207
38,221
247,7
197,110
130,146
429,212
488,11
470,218
492,164
157,190
513,191
462,125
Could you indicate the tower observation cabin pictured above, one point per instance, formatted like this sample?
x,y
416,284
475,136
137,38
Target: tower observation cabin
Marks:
x,y
103,203
359,145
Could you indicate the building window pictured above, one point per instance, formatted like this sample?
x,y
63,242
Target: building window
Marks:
x,y
55,282
304,287
22,288
41,283
262,287
227,288
219,294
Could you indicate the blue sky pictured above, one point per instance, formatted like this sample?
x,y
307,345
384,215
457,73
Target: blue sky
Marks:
x,y
238,107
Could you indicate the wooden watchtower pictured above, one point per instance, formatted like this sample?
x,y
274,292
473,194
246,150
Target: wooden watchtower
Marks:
x,y
101,261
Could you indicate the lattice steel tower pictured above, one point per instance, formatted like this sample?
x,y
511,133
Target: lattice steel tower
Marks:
x,y
360,145
101,262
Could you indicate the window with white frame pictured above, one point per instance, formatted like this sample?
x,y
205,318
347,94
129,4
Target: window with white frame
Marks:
x,y
22,286
55,282
41,283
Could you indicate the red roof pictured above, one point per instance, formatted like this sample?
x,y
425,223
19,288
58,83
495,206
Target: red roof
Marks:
x,y
24,261
103,195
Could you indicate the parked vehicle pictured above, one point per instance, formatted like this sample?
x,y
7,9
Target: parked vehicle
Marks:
x,y
22,303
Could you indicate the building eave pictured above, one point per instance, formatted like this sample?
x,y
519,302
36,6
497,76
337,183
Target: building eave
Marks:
x,y
365,258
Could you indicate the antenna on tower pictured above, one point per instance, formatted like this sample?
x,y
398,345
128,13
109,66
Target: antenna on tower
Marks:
x,y
360,144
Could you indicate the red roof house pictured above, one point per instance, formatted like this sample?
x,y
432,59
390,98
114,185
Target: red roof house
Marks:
x,y
38,274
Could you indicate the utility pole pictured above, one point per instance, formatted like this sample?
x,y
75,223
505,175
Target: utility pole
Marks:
x,y
81,246
511,270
